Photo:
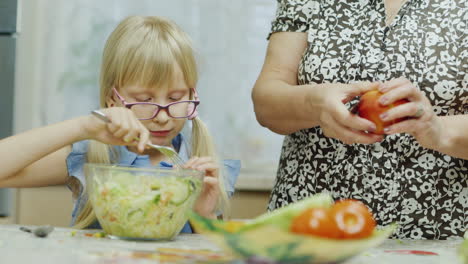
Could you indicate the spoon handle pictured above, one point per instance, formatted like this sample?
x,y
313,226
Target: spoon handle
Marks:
x,y
100,115
25,229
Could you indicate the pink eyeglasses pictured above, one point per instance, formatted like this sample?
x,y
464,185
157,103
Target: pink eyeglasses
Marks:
x,y
147,110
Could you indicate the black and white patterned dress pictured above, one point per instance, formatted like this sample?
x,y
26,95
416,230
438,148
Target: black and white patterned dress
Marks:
x,y
425,191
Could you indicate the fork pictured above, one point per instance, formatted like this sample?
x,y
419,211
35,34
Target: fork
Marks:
x,y
166,151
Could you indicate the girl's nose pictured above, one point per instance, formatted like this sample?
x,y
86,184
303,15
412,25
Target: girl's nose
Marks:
x,y
162,116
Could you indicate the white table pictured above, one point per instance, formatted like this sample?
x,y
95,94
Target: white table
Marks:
x,y
61,247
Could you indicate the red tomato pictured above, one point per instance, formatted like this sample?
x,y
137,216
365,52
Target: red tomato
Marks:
x,y
353,219
370,108
315,221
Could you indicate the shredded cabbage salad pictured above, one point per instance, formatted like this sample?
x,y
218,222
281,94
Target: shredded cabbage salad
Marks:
x,y
143,206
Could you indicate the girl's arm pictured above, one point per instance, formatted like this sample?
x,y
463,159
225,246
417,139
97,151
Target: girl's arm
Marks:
x,y
37,157
285,107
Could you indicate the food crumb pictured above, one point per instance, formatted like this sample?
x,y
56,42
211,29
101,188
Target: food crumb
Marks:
x,y
400,241
99,235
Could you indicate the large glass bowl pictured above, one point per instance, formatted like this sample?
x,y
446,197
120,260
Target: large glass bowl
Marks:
x,y
142,203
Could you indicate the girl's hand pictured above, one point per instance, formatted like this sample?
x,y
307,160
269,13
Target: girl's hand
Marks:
x,y
208,199
338,122
422,123
124,128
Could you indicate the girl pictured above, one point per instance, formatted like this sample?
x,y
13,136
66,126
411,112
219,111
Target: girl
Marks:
x,y
147,89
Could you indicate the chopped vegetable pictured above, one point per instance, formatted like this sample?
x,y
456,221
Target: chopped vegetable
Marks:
x,y
143,206
99,234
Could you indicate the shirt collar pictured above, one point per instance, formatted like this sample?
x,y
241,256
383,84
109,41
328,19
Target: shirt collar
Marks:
x,y
129,158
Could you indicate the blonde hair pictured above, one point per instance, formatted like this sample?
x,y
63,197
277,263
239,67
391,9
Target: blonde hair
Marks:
x,y
143,51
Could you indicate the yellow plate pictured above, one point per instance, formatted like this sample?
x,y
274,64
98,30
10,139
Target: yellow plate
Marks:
x,y
276,243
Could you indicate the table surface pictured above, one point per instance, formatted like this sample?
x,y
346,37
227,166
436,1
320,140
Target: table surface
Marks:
x,y
66,245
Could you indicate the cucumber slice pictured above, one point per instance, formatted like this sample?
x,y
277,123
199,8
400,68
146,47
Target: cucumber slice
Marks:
x,y
181,191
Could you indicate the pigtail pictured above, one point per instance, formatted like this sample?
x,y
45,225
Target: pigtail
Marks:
x,y
97,153
203,145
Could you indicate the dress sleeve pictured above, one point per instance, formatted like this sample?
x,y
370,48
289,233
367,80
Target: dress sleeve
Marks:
x,y
231,170
75,161
293,15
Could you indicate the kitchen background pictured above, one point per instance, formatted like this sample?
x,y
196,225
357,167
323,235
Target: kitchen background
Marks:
x,y
58,52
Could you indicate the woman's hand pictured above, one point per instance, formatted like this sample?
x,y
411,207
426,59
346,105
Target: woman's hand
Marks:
x,y
422,123
338,122
124,128
208,199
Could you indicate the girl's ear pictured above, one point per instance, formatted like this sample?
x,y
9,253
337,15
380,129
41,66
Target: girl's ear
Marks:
x,y
110,101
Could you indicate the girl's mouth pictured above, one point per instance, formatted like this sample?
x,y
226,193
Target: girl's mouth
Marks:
x,y
160,133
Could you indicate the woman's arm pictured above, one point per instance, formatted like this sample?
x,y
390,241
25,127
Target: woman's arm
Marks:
x,y
280,104
454,139
285,107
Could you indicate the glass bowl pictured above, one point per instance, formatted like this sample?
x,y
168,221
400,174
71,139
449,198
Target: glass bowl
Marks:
x,y
142,203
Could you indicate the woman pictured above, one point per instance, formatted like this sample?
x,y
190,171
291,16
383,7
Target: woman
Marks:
x,y
321,55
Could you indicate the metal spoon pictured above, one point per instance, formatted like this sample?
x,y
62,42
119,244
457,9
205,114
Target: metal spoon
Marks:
x,y
41,231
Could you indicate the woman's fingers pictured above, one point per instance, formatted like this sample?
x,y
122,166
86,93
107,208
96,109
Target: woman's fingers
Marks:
x,y
388,85
407,126
406,91
358,89
399,89
347,119
412,109
339,113
347,135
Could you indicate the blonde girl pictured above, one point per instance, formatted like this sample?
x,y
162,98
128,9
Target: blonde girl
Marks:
x,y
148,90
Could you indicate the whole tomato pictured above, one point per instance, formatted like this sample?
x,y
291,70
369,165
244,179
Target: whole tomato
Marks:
x,y
315,221
353,219
370,109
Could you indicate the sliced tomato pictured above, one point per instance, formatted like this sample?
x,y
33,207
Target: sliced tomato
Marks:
x,y
315,221
353,219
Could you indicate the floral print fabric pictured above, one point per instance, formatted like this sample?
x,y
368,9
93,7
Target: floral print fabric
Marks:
x,y
424,191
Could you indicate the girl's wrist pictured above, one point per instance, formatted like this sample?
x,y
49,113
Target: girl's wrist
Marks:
x,y
205,213
83,127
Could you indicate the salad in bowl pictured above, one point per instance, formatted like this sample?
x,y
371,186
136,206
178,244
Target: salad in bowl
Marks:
x,y
142,203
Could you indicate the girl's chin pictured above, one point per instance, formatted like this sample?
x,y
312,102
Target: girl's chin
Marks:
x,y
161,141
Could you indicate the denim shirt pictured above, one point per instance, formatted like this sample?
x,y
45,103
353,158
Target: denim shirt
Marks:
x,y
77,158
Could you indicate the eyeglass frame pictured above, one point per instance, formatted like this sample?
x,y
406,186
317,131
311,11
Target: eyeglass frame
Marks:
x,y
128,105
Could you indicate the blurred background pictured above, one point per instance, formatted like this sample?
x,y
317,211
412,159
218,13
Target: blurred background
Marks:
x,y
50,52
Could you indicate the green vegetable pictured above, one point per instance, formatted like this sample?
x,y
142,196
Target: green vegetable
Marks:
x,y
463,249
157,198
282,217
181,193
143,206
